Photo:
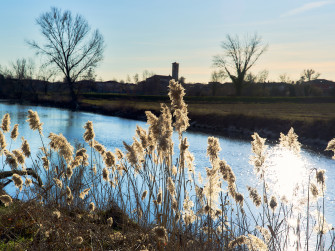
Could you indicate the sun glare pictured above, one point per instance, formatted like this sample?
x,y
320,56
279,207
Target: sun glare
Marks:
x,y
287,173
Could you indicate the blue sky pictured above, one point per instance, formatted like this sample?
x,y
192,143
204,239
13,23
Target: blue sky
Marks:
x,y
151,34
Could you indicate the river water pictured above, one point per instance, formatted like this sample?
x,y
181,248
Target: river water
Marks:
x,y
112,131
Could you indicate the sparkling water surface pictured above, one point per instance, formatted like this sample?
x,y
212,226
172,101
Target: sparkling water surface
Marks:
x,y
112,131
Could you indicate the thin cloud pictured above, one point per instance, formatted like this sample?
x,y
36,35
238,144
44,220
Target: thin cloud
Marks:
x,y
306,7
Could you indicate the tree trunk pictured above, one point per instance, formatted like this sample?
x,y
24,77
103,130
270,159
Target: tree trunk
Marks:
x,y
238,87
74,97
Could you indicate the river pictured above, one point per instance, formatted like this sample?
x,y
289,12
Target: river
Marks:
x,y
112,131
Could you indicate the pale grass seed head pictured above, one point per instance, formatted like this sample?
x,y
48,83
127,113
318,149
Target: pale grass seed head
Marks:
x,y
273,203
131,154
109,159
34,121
159,196
290,141
45,163
320,176
239,198
255,243
144,194
142,135
56,214
78,240
17,181
19,156
226,171
119,154
5,125
69,172
176,94
91,207
174,204
181,120
58,182
89,132
15,132
69,196
314,190
11,159
265,233
110,221
331,146
59,143
239,241
154,129
105,174
25,148
2,141
84,193
258,144
99,148
174,170
258,148
256,198
164,138
213,148
160,233
212,187
6,199
81,158
171,187
28,182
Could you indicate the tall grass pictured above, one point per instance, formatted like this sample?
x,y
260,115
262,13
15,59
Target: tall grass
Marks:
x,y
149,197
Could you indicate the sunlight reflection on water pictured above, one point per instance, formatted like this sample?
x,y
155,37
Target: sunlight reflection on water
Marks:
x,y
285,169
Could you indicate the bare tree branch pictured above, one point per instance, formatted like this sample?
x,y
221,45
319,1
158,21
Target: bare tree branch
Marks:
x,y
239,56
69,46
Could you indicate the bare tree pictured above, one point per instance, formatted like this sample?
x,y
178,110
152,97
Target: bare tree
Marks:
x,y
146,74
23,69
182,80
239,56
218,76
69,46
262,76
309,74
284,78
136,78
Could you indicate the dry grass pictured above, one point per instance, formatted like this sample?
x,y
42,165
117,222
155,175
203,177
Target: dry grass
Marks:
x,y
149,197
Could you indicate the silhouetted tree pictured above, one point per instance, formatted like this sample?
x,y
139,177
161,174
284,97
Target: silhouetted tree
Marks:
x,y
135,77
239,56
262,76
146,74
68,45
218,76
128,79
182,80
23,69
284,78
309,74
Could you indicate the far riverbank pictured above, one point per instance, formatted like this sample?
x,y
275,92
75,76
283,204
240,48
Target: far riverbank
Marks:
x,y
312,119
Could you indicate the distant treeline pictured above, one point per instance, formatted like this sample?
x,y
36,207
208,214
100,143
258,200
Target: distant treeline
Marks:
x,y
33,89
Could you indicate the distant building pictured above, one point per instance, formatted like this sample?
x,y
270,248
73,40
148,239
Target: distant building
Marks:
x,y
159,78
175,69
163,78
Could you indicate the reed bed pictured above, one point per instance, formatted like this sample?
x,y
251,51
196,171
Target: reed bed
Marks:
x,y
148,197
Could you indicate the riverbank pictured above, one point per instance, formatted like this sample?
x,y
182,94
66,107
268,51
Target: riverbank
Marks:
x,y
313,119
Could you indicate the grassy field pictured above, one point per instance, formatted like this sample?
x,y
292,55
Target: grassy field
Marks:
x,y
285,109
